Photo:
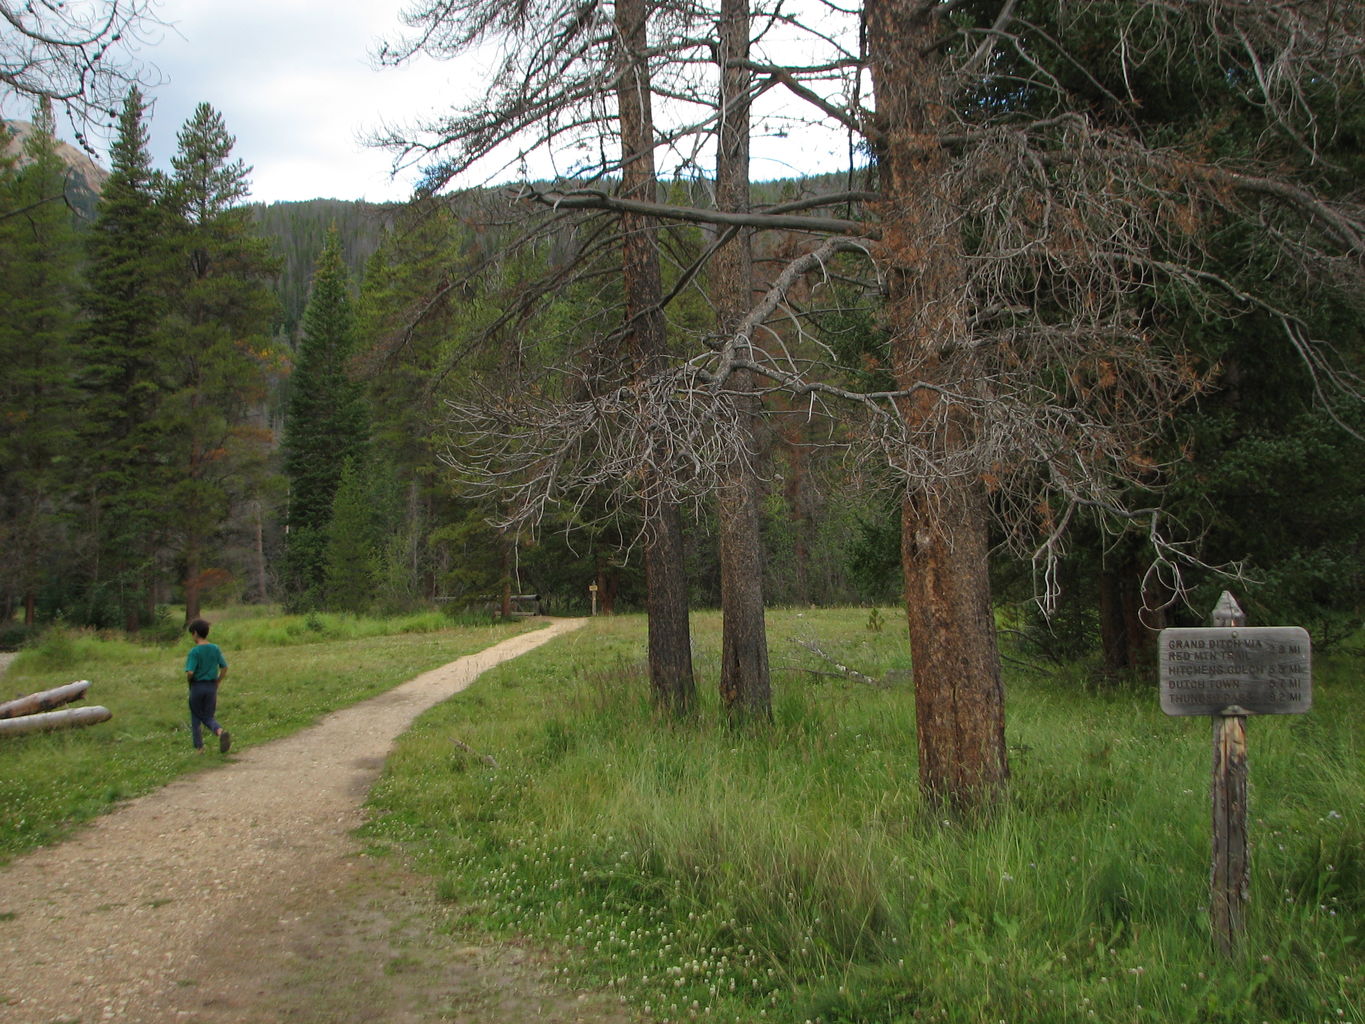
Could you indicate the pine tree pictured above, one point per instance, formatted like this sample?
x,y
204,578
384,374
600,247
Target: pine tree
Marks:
x,y
125,473
38,259
205,184
326,422
219,315
402,359
351,558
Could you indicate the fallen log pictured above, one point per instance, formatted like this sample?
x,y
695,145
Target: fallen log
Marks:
x,y
44,701
48,721
844,670
485,758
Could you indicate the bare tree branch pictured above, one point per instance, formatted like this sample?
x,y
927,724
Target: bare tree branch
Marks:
x,y
76,55
584,199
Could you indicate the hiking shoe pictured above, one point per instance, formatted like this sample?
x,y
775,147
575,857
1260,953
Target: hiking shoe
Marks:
x,y
224,741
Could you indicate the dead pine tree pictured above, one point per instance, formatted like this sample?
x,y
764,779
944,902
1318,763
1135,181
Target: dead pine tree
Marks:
x,y
578,73
745,684
1032,223
959,694
670,638
1045,198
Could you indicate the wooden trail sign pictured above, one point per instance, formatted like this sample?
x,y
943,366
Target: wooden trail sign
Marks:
x,y
1263,671
1230,671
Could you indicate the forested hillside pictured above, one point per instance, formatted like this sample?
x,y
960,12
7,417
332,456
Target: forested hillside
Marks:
x,y
296,232
595,380
417,535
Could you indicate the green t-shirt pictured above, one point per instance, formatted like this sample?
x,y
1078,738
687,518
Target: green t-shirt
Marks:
x,y
204,661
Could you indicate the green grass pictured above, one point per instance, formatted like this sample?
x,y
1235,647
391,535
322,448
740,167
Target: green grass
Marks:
x,y
285,672
792,873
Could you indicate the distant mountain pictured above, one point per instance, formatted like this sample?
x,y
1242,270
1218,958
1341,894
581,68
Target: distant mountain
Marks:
x,y
84,177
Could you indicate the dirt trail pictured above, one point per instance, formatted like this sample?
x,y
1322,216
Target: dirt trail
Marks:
x,y
239,895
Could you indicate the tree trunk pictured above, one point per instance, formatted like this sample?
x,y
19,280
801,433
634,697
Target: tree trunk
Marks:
x,y
262,583
1113,646
670,645
745,686
608,583
46,700
670,639
1148,618
49,721
505,552
193,577
959,695
1127,630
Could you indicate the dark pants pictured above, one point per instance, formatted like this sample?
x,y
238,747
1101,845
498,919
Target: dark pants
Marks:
x,y
203,705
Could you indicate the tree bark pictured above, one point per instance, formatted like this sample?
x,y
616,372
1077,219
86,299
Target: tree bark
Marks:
x,y
262,586
46,700
193,577
745,684
608,583
959,695
49,721
1127,633
670,644
670,638
505,552
1113,635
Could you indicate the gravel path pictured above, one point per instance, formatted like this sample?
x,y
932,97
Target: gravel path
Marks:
x,y
239,894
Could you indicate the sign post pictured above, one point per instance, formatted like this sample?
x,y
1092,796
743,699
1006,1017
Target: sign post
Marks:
x,y
1230,671
592,589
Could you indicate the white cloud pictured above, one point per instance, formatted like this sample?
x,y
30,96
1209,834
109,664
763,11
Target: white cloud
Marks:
x,y
294,82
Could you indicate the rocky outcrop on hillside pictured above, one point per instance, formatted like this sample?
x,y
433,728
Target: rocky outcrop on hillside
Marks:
x,y
84,179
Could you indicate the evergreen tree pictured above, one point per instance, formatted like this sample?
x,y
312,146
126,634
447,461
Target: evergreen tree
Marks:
x,y
326,422
205,184
218,323
403,358
125,473
38,259
352,562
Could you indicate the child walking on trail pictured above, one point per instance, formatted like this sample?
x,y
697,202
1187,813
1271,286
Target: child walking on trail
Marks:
x,y
205,669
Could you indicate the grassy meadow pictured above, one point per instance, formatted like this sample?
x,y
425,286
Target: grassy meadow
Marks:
x,y
788,873
285,672
791,874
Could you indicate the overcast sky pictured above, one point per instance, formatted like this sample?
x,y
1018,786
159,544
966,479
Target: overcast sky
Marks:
x,y
296,84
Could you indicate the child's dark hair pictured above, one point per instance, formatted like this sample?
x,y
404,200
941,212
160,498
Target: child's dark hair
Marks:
x,y
199,628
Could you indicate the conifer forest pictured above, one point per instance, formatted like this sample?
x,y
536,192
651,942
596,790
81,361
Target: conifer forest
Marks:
x,y
1070,343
